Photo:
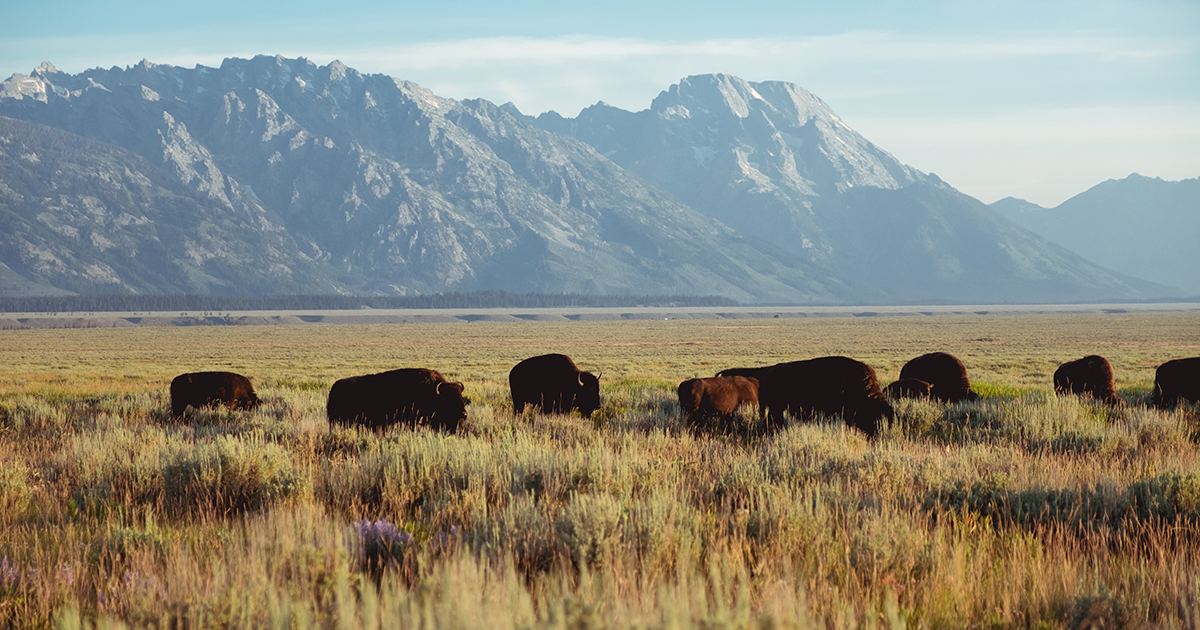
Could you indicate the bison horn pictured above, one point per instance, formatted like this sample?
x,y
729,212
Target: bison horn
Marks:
x,y
437,389
580,380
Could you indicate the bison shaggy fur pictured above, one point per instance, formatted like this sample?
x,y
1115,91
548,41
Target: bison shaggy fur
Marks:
x,y
946,375
748,372
828,385
1089,377
409,396
1176,380
703,400
554,383
907,388
207,389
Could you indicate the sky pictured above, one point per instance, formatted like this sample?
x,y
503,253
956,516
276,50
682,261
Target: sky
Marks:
x,y
1039,100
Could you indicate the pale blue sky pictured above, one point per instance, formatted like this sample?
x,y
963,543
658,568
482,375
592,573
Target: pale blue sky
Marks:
x,y
1039,100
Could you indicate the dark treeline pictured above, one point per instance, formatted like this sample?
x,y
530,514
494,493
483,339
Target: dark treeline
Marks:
x,y
474,299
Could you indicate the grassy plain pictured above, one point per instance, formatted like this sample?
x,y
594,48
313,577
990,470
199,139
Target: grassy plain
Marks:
x,y
1020,510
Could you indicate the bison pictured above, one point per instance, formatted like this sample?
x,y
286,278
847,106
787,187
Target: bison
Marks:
x,y
946,375
829,385
702,400
907,388
409,396
206,389
554,383
1177,379
1091,376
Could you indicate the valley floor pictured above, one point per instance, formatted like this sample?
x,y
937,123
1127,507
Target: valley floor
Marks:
x,y
1022,509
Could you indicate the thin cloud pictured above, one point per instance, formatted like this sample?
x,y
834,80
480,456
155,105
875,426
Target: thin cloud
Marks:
x,y
854,46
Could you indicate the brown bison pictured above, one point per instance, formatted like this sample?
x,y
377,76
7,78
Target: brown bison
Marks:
x,y
554,383
828,385
1091,376
1175,380
907,388
409,396
703,400
206,389
946,375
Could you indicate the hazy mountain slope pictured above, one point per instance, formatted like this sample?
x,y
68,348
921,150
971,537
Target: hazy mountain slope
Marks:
x,y
1141,226
1012,208
82,216
956,245
401,190
774,161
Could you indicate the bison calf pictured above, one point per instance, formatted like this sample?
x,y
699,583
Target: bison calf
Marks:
x,y
1175,380
702,400
946,375
409,396
554,383
1091,376
828,385
908,388
206,389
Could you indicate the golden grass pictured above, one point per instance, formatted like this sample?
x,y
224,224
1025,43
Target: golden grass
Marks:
x,y
1019,350
1020,510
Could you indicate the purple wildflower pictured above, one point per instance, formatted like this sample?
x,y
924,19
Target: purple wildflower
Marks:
x,y
380,533
9,573
67,573
382,543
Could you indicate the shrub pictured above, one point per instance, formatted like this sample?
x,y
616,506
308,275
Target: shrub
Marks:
x,y
588,526
229,474
1170,497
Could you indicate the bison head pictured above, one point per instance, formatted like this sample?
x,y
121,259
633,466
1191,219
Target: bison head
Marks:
x,y
870,414
451,408
587,398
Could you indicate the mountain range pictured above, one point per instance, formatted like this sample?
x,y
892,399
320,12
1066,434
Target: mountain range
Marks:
x,y
274,175
1140,226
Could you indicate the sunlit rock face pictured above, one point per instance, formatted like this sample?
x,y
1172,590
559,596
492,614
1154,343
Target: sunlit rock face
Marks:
x,y
773,160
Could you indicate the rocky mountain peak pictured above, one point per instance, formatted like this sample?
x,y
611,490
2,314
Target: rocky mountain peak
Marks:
x,y
709,93
45,70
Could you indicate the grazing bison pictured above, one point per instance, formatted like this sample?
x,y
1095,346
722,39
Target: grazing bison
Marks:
x,y
554,383
1177,379
907,388
206,389
1091,376
946,375
829,385
702,400
409,396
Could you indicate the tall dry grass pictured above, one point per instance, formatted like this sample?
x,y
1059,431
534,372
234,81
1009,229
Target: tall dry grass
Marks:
x,y
1019,510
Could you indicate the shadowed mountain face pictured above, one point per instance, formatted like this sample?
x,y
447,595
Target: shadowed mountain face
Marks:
x,y
774,161
1141,226
275,175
